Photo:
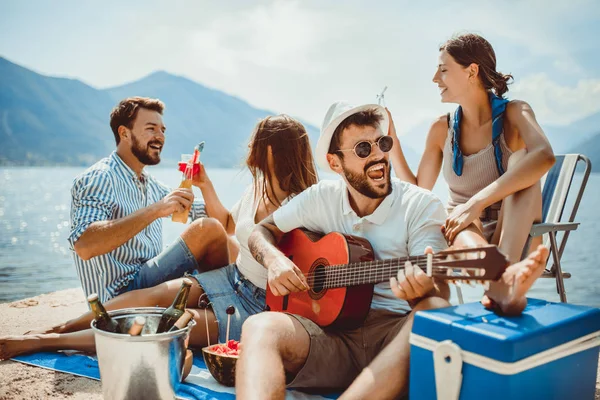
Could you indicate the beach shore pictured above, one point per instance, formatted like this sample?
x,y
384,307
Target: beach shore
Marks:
x,y
19,381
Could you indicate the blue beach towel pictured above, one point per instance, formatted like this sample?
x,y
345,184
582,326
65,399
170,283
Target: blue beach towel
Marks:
x,y
199,385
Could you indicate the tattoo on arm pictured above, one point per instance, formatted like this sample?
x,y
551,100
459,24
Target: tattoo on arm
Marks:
x,y
262,240
257,247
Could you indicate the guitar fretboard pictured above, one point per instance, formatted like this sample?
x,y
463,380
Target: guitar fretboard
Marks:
x,y
360,273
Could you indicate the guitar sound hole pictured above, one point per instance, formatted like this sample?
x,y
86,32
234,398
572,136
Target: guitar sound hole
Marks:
x,y
317,279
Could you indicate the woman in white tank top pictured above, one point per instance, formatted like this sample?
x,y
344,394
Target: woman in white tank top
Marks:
x,y
493,154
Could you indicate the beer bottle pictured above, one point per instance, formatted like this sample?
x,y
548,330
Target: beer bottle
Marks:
x,y
138,326
186,179
182,321
176,309
103,320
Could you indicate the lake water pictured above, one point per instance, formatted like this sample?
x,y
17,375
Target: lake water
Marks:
x,y
34,225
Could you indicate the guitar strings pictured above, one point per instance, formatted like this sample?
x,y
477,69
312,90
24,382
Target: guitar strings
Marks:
x,y
340,275
351,279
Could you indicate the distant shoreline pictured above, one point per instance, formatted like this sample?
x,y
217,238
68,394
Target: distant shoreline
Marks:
x,y
14,164
168,163
43,164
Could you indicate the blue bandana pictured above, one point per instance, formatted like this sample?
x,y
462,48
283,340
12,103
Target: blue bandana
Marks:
x,y
498,107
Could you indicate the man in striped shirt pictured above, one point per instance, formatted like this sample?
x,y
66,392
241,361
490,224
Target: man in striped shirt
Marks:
x,y
116,211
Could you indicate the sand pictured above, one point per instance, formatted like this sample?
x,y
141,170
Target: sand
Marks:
x,y
19,381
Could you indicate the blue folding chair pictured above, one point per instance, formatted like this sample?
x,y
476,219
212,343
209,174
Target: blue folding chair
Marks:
x,y
556,185
555,188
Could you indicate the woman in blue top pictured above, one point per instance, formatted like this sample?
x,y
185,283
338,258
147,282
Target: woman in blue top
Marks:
x,y
493,154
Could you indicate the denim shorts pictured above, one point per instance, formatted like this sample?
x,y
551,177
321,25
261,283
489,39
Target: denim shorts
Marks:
x,y
227,286
172,263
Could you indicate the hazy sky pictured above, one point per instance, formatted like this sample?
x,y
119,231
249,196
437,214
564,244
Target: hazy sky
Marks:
x,y
299,56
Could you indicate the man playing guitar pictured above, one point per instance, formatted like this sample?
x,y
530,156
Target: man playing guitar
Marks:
x,y
398,220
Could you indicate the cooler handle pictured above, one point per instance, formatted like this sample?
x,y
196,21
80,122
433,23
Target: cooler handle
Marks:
x,y
447,364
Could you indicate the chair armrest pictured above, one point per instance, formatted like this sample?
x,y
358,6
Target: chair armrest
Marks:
x,y
542,228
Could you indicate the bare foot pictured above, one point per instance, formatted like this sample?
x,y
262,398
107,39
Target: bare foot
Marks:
x,y
11,346
507,295
54,329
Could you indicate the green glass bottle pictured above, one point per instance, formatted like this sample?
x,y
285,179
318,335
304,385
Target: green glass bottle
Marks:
x,y
103,320
175,310
182,322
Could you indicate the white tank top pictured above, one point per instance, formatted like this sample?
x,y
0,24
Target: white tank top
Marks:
x,y
243,213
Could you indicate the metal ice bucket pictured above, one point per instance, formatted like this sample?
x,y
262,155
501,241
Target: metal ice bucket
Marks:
x,y
148,366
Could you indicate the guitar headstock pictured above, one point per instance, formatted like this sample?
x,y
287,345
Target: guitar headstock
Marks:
x,y
485,263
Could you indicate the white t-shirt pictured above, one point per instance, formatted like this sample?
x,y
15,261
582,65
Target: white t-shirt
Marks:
x,y
243,213
404,224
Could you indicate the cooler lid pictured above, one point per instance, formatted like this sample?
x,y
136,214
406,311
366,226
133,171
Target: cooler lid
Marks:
x,y
541,326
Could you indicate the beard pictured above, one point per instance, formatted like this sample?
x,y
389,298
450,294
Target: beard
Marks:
x,y
360,181
143,154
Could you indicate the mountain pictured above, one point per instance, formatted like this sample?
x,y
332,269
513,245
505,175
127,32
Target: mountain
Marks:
x,y
562,138
46,120
590,148
194,113
414,139
50,120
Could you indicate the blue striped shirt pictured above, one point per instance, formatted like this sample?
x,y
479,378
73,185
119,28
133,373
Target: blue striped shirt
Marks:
x,y
110,190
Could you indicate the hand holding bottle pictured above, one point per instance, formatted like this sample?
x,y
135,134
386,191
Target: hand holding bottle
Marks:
x,y
201,178
175,202
190,166
186,183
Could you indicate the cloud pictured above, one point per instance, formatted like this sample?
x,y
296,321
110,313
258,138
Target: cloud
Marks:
x,y
297,57
558,104
280,36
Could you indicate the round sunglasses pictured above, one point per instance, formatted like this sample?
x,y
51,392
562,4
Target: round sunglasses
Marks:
x,y
363,149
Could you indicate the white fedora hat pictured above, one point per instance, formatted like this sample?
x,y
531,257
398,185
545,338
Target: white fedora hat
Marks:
x,y
338,112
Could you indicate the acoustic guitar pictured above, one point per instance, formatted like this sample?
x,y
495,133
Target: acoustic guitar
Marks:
x,y
341,271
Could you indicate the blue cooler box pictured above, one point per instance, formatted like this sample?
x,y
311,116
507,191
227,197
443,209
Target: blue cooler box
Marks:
x,y
467,352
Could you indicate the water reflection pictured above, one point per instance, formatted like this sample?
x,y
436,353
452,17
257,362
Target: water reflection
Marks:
x,y
34,225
